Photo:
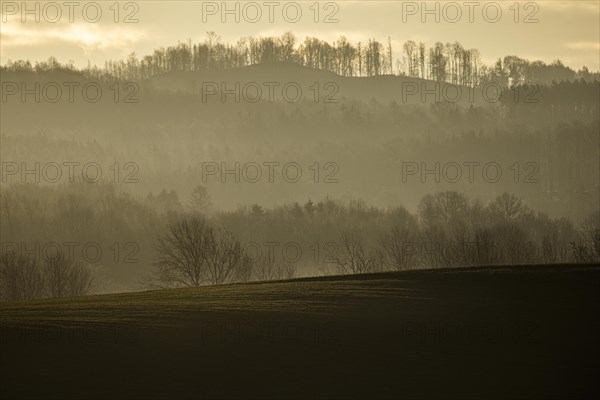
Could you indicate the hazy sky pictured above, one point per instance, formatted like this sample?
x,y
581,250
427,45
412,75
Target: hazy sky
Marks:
x,y
569,30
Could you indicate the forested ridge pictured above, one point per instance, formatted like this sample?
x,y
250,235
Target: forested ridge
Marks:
x,y
442,62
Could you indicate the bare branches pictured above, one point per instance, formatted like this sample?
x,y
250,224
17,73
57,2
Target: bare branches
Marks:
x,y
23,278
354,258
398,246
182,253
224,257
192,253
66,278
269,268
20,278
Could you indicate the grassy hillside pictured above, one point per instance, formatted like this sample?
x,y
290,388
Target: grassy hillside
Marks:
x,y
510,332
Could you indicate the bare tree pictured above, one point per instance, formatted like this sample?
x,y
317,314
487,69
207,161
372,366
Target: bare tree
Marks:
x,y
286,270
399,246
268,269
582,253
354,258
21,278
513,244
591,231
509,207
483,250
264,269
66,278
442,208
225,258
587,248
410,49
182,254
192,253
553,248
200,200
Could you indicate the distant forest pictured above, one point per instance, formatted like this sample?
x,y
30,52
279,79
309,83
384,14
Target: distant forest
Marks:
x,y
542,208
120,240
449,62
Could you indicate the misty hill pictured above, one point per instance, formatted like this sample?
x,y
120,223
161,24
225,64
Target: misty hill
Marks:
x,y
164,125
382,88
314,84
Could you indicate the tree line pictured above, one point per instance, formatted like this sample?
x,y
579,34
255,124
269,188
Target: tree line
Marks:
x,y
442,62
200,246
448,230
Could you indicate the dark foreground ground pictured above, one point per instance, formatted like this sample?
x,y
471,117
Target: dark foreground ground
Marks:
x,y
521,332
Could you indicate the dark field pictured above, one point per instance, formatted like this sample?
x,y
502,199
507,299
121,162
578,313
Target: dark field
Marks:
x,y
515,332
